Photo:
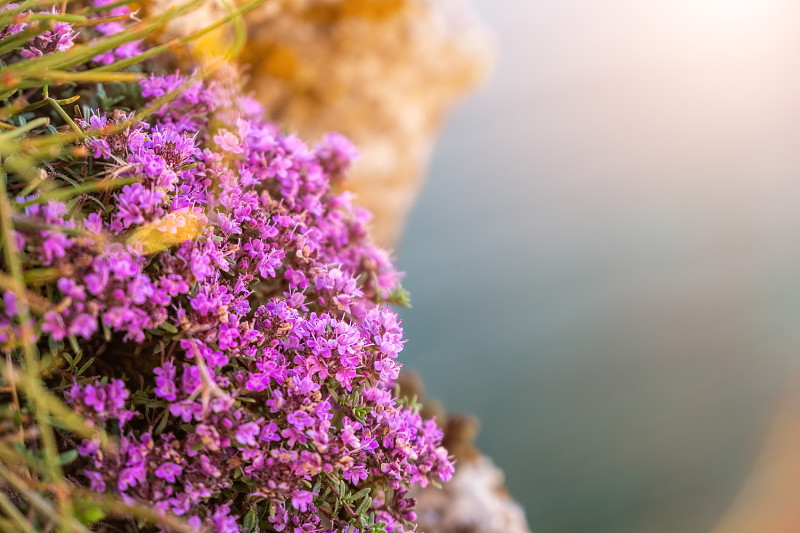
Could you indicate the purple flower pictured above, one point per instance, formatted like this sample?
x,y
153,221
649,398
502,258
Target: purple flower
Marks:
x,y
57,39
100,148
138,205
10,301
96,481
336,153
222,520
168,471
247,433
131,476
83,325
54,246
228,141
300,419
165,382
301,499
53,323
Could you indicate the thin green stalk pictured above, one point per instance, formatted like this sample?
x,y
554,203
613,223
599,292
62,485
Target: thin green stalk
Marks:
x,y
156,50
80,54
85,76
35,224
67,524
42,103
13,513
142,512
6,525
33,124
239,34
8,15
109,7
14,265
58,77
50,146
104,20
34,184
59,17
60,110
15,41
67,192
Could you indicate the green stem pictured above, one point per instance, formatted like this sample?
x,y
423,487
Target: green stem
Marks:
x,y
8,15
80,54
14,265
66,117
41,121
68,524
156,50
15,41
67,192
142,512
60,17
13,513
42,103
109,7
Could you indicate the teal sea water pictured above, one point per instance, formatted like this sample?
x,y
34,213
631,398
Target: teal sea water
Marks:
x,y
605,260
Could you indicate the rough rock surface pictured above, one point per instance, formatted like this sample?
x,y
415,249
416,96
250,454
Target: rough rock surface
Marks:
x,y
383,72
474,501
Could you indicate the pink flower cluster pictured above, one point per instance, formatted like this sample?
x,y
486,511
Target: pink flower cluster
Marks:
x,y
250,294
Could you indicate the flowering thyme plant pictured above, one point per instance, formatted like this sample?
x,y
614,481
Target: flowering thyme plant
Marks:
x,y
194,321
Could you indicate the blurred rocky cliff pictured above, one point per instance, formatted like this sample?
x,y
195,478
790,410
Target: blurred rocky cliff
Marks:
x,y
476,499
385,73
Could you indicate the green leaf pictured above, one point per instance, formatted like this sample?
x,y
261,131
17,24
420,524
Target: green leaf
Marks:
x,y
249,521
67,457
365,503
360,494
89,513
85,366
166,326
73,341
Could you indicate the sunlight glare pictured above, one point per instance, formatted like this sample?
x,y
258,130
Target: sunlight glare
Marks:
x,y
745,12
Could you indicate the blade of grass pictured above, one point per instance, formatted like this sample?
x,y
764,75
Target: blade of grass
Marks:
x,y
61,76
67,524
42,103
108,7
67,192
9,14
146,513
65,416
83,53
33,124
37,304
15,515
156,50
14,266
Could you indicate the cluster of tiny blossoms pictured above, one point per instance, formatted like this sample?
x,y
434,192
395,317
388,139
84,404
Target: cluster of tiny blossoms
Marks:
x,y
248,293
61,35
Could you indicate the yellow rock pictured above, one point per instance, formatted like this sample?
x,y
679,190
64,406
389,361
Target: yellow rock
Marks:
x,y
383,72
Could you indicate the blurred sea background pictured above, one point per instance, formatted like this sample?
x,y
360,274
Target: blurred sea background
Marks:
x,y
605,260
